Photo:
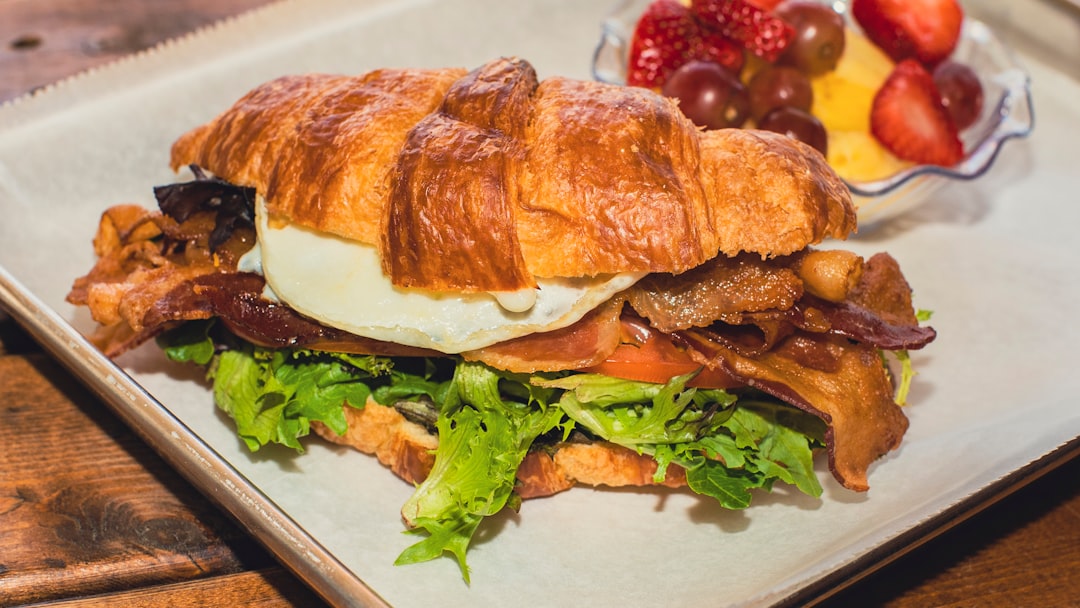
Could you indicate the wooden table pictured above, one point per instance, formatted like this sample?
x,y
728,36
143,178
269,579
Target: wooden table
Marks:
x,y
89,515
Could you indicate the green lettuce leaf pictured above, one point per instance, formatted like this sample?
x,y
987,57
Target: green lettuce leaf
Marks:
x,y
188,343
487,420
631,413
484,434
907,370
907,375
727,451
273,395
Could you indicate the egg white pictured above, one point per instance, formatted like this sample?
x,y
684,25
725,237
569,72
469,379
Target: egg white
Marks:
x,y
340,283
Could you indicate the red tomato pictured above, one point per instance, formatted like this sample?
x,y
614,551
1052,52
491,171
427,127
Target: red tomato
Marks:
x,y
647,355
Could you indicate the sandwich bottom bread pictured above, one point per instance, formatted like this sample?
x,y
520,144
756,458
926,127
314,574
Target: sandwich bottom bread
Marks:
x,y
503,287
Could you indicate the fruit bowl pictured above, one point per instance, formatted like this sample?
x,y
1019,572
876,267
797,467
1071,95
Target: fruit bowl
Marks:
x,y
1006,111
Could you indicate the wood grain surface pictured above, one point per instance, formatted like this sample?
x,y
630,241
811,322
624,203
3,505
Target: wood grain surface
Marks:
x,y
83,502
90,516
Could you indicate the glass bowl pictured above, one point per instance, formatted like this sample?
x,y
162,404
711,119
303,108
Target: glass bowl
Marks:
x,y
1007,110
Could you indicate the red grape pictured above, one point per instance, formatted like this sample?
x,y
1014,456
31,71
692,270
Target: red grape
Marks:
x,y
819,36
797,124
709,95
961,92
777,86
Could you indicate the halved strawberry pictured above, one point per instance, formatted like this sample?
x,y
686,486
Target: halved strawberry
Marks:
x,y
666,36
755,28
909,119
926,30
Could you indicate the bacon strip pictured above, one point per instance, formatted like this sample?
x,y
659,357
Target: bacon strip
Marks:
x,y
818,355
747,291
236,298
843,383
869,327
586,343
721,286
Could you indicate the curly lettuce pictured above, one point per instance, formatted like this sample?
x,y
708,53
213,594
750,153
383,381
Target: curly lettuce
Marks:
x,y
727,451
487,420
484,434
273,395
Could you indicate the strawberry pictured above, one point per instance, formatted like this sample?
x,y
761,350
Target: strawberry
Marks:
x,y
666,37
719,49
747,24
910,120
766,4
926,30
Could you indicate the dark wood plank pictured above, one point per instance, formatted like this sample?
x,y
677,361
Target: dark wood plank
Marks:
x,y
45,41
1021,551
269,588
86,507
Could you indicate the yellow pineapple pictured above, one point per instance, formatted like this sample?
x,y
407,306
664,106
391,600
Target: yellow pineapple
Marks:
x,y
843,97
842,102
857,156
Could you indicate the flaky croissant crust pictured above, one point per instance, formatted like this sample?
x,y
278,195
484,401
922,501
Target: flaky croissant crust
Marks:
x,y
483,180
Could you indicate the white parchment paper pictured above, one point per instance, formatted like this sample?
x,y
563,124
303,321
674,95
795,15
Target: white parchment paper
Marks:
x,y
996,260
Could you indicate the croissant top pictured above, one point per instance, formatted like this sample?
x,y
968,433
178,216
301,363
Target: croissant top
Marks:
x,y
484,180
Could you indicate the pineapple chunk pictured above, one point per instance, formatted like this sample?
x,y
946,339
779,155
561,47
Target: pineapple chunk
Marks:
x,y
842,102
843,97
862,62
856,156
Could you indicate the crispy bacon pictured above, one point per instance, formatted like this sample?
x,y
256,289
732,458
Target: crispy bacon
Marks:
x,y
236,298
757,321
142,257
877,310
871,327
842,382
721,286
582,344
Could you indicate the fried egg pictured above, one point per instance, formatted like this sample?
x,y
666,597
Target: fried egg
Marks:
x,y
340,283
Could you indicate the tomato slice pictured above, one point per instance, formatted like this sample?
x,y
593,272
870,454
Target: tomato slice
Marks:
x,y
646,355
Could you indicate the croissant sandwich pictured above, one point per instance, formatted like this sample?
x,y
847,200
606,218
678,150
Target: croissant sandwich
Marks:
x,y
503,287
